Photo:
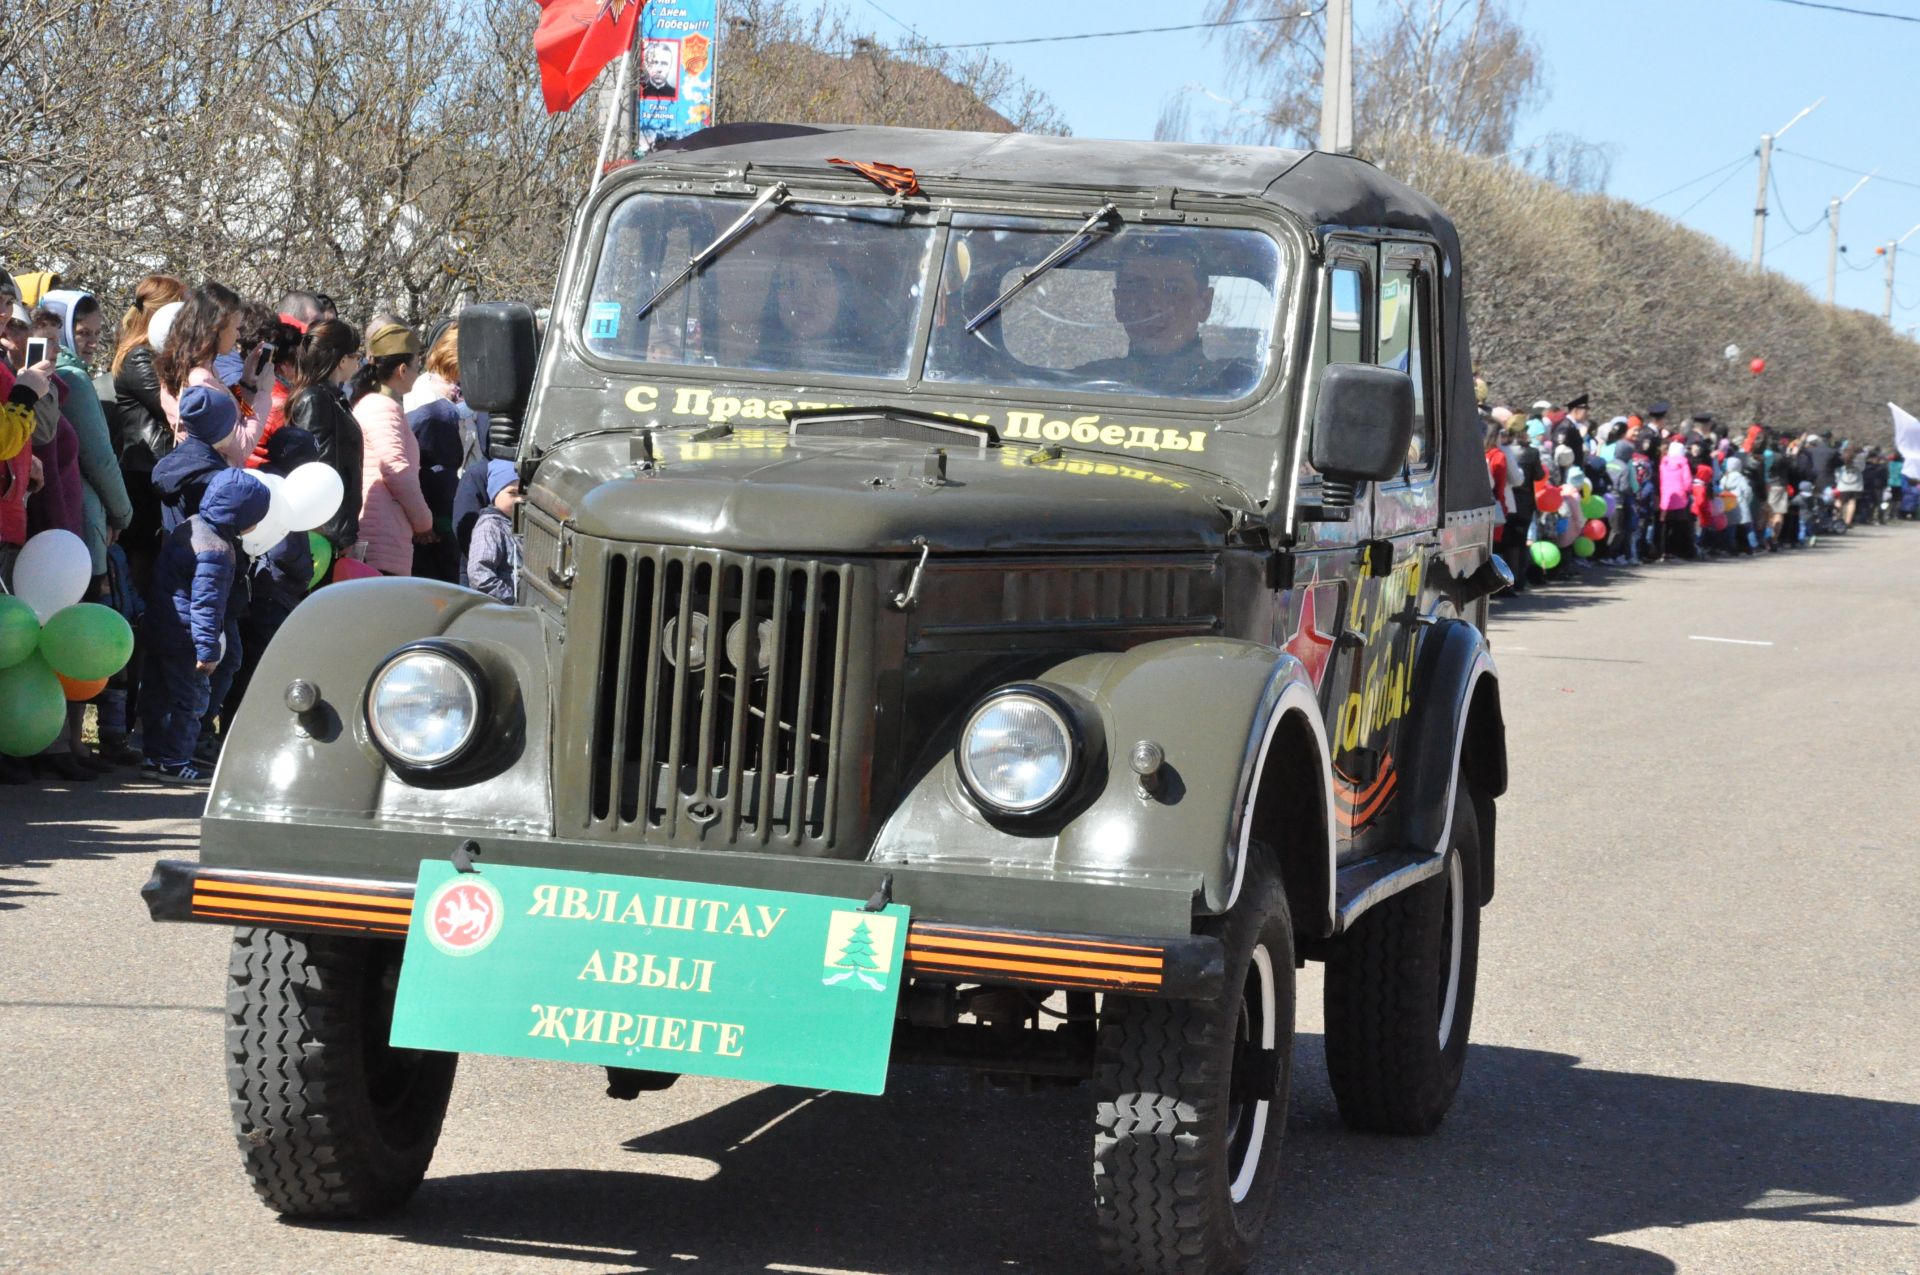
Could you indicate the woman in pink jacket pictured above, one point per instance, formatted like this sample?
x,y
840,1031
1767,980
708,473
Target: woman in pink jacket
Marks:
x,y
208,326
393,513
1676,495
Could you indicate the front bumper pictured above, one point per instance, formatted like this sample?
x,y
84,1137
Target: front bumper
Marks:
x,y
941,946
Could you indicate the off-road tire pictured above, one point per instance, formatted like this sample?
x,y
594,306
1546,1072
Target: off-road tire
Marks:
x,y
1167,1147
332,1121
1387,985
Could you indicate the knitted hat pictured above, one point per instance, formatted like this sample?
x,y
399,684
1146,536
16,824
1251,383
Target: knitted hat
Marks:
x,y
500,475
208,415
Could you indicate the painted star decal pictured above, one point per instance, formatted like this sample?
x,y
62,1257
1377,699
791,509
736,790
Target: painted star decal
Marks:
x,y
1308,644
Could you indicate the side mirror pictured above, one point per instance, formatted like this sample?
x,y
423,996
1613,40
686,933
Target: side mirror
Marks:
x,y
498,349
1362,425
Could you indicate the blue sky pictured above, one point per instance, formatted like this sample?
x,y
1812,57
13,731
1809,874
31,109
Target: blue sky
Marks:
x,y
1678,87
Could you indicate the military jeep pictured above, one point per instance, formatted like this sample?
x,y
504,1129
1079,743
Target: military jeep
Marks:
x,y
1080,549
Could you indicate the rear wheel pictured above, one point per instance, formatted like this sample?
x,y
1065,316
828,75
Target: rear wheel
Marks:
x,y
1399,994
1191,1105
332,1121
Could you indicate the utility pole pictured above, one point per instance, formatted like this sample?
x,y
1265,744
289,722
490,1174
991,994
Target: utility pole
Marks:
x,y
1336,87
1833,232
1892,250
1766,166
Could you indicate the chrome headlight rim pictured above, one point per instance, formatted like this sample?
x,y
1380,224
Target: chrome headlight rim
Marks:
x,y
1064,713
475,680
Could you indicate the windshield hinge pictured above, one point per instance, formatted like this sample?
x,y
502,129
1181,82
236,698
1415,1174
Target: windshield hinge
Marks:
x,y
1162,209
904,599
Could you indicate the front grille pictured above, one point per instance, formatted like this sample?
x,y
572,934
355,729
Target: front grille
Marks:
x,y
721,689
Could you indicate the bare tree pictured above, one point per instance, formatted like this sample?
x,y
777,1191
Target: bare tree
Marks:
x,y
1460,71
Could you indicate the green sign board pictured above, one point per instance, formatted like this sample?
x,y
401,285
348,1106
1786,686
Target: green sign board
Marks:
x,y
708,980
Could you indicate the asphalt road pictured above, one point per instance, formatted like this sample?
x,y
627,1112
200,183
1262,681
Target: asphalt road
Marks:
x,y
1695,1043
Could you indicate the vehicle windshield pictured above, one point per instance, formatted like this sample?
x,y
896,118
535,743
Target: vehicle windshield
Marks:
x,y
1164,311
1155,310
812,289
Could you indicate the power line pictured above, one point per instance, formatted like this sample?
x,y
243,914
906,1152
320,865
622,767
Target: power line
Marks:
x,y
1711,192
1702,177
905,26
1856,172
1848,9
1105,35
1780,206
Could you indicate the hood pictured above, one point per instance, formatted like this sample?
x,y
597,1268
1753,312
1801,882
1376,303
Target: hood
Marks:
x,y
235,501
189,463
63,303
762,490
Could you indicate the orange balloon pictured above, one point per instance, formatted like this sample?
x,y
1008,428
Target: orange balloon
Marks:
x,y
78,692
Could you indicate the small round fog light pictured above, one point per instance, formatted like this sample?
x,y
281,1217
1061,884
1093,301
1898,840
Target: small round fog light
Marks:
x,y
302,696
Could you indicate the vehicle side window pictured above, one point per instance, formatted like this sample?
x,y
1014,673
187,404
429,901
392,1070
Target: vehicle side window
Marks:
x,y
1406,343
1345,326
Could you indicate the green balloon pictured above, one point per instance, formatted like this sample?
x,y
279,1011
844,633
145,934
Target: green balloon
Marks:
x,y
86,641
322,557
1546,554
19,630
1593,507
1583,548
33,709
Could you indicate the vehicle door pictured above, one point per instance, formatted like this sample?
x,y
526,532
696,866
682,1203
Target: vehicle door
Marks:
x,y
1404,542
1321,619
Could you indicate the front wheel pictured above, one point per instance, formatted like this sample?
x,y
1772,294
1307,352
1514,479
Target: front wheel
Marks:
x,y
1399,994
332,1121
1191,1104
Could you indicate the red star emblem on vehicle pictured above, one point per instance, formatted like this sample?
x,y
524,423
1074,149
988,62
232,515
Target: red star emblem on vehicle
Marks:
x,y
1308,644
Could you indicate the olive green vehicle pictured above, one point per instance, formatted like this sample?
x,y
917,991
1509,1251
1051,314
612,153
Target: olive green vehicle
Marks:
x,y
1085,544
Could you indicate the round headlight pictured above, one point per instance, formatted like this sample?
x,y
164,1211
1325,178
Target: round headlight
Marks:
x,y
423,708
1017,752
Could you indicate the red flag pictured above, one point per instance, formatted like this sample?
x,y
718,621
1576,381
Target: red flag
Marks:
x,y
575,40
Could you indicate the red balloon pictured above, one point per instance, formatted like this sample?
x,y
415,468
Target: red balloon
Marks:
x,y
1596,529
352,569
1547,496
1757,366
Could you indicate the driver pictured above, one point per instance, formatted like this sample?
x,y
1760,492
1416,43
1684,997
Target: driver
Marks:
x,y
1161,298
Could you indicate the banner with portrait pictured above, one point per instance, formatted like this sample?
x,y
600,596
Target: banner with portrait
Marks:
x,y
673,71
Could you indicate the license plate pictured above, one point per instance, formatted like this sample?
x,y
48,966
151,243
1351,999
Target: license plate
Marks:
x,y
616,971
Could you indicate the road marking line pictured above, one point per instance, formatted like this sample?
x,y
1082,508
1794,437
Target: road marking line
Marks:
x,y
1695,637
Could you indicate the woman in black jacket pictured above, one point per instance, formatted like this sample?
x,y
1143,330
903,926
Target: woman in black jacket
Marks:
x,y
329,356
143,433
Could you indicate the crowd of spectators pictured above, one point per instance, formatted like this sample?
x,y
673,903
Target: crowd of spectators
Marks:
x,y
1647,487
154,460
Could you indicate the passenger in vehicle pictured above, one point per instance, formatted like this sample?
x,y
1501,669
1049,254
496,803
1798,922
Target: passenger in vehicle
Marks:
x,y
1161,298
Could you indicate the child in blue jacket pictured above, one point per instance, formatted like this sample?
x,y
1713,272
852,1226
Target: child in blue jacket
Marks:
x,y
186,618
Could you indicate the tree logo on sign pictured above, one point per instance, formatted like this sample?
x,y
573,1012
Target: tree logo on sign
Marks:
x,y
859,950
464,915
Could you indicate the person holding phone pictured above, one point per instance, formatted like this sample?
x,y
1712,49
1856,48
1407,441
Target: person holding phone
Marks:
x,y
207,327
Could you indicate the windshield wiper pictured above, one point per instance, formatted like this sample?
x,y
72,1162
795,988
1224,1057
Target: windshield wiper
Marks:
x,y
771,199
1080,239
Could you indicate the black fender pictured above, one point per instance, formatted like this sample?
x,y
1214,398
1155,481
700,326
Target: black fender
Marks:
x,y
1455,728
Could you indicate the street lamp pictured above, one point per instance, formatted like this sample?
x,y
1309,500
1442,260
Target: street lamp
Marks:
x,y
1766,166
1891,251
1833,231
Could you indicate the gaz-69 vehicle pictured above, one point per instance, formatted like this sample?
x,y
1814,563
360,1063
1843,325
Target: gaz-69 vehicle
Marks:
x,y
992,601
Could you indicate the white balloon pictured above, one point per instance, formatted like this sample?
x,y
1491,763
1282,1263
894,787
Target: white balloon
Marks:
x,y
276,486
265,535
52,572
313,494
160,326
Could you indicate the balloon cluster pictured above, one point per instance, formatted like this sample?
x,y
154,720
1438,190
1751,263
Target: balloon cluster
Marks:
x,y
302,501
53,646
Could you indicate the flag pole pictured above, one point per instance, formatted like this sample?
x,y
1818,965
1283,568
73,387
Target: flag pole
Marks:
x,y
622,82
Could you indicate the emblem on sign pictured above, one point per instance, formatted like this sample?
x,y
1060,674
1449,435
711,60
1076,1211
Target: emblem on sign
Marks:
x,y
859,950
464,915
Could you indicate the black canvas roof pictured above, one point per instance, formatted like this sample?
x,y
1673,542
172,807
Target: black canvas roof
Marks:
x,y
1321,188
